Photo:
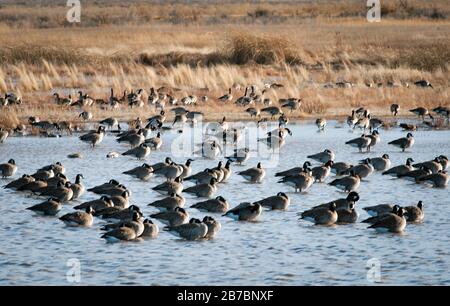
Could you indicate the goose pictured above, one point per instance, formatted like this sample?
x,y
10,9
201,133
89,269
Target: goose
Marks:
x,y
226,171
135,223
374,139
295,170
110,122
272,111
219,171
347,215
439,179
120,214
174,217
3,135
375,123
170,171
321,216
292,104
209,149
226,97
33,186
115,191
323,157
94,138
157,119
301,182
62,191
122,200
193,230
133,139
8,169
321,124
58,178
395,108
401,169
421,112
158,166
415,175
379,210
96,205
362,112
100,188
155,142
213,225
278,202
123,233
253,111
143,172
361,143
245,212
16,184
444,162
49,207
175,186
364,122
253,175
339,168
203,190
381,163
243,100
342,203
423,83
364,169
169,203
434,165
239,156
408,127
202,177
320,173
414,214
216,205
404,142
281,131
79,218
395,223
152,97
273,141
77,188
151,230
352,119
86,115
43,174
56,167
140,152
348,183
64,126
283,120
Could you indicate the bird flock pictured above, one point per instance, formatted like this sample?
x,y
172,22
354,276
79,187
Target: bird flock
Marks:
x,y
127,222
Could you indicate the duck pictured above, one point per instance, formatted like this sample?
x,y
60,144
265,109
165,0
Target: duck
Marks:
x,y
50,207
151,230
143,172
414,214
213,225
323,157
175,186
79,218
439,179
94,138
361,143
321,216
77,188
216,205
169,203
22,181
404,142
193,230
280,201
390,222
96,205
8,169
172,218
401,169
203,190
245,211
254,175
348,183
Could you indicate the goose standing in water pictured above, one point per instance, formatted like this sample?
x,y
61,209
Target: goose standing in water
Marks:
x,y
401,169
217,205
301,182
155,143
143,172
77,188
381,163
404,142
140,152
439,179
348,183
323,157
203,190
239,156
253,175
361,143
94,138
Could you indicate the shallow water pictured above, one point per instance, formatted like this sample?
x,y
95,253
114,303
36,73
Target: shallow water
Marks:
x,y
277,250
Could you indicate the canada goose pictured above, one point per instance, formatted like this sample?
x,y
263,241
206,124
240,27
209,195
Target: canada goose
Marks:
x,y
444,162
364,122
214,226
320,173
273,141
203,190
170,171
79,218
175,186
151,230
49,207
364,169
339,168
33,186
158,166
62,191
348,183
321,124
395,109
408,127
423,83
85,116
135,223
58,178
415,175
115,191
374,139
439,179
295,170
122,200
143,172
219,172
253,175
361,143
140,152
301,182
245,212
217,205
323,157
123,233
16,184
347,215
121,214
342,203
56,167
133,139
401,169
414,214
379,210
193,230
3,135
98,204
403,143
8,169
239,156
292,104
381,163
110,122
283,120
321,216
278,202
253,111
375,123
421,112
226,97
395,223
272,111
94,138
77,187
226,172
434,165
174,217
209,149
169,203
100,188
155,143
352,119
